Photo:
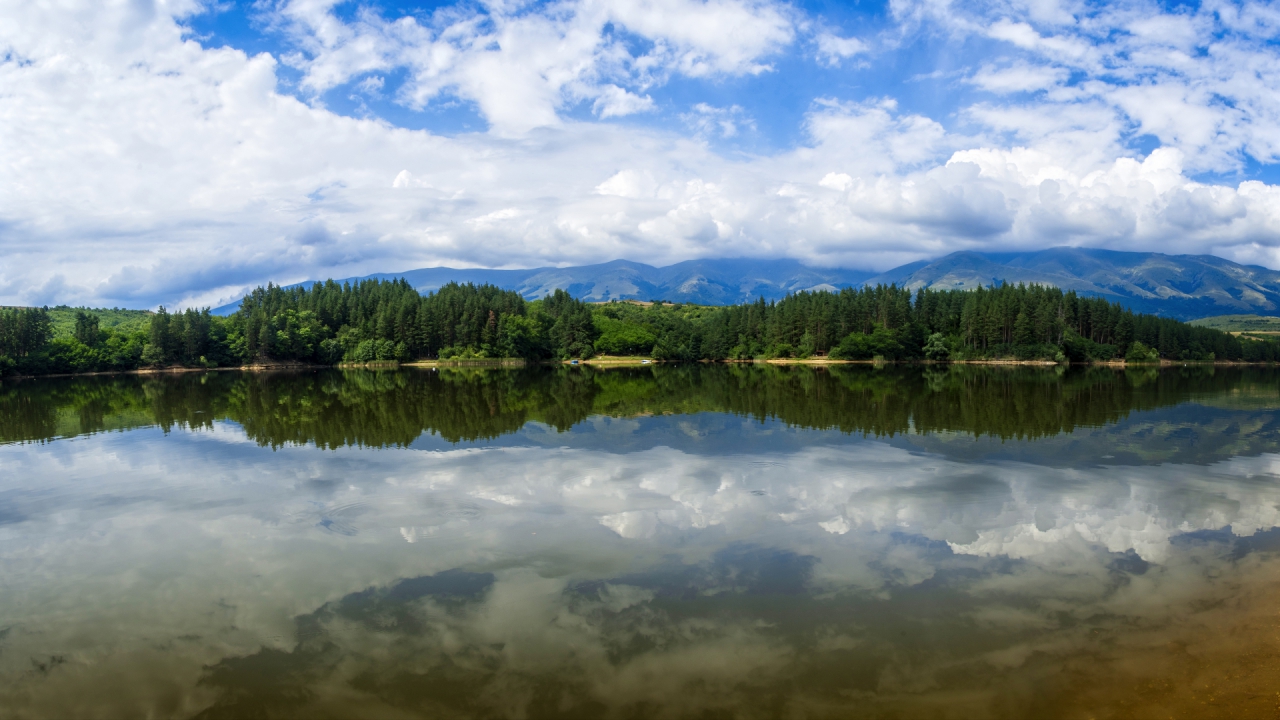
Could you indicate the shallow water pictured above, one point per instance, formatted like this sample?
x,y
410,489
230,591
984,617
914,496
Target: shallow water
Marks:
x,y
687,541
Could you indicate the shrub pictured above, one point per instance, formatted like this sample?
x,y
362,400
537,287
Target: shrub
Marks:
x,y
881,343
623,338
936,347
152,355
376,351
1139,353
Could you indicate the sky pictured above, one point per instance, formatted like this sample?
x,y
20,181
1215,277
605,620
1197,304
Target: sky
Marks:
x,y
179,152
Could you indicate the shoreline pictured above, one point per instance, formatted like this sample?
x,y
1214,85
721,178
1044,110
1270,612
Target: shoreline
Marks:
x,y
636,361
474,362
173,371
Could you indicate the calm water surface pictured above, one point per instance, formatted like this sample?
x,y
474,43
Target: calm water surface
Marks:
x,y
667,542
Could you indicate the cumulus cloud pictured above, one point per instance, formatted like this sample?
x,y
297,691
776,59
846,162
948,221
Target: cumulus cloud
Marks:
x,y
1018,78
1201,81
521,67
142,167
832,48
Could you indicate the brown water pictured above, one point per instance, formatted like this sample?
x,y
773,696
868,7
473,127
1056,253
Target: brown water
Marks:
x,y
694,541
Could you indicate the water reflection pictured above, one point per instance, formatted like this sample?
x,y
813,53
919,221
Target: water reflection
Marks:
x,y
394,408
621,562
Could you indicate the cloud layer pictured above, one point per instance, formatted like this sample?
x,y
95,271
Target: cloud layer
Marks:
x,y
144,163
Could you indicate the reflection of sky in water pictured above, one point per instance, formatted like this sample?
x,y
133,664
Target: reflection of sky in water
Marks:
x,y
652,562
1187,433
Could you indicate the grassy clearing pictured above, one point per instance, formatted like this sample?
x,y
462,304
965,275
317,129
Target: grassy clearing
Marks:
x,y
120,320
1236,324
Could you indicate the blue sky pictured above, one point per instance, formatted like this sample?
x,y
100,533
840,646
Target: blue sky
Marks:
x,y
179,151
776,101
920,75
919,67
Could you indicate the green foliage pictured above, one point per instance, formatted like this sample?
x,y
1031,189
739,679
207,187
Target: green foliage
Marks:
x,y
1240,323
292,324
936,347
24,331
117,320
86,331
520,336
882,342
374,351
152,354
620,337
573,333
377,321
193,338
1139,353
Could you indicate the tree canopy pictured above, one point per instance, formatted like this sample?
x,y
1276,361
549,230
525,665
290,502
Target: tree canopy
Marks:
x,y
373,320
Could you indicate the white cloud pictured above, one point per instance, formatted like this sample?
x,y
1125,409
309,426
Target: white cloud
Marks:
x,y
139,167
1201,80
629,184
837,181
616,102
290,533
832,48
725,122
1018,78
521,67
371,85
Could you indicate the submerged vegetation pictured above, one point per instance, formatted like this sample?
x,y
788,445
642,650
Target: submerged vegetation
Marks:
x,y
378,321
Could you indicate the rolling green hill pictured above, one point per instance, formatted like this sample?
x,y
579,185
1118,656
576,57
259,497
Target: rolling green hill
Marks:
x,y
1240,323
122,321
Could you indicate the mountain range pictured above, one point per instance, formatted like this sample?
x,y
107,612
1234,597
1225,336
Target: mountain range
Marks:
x,y
703,282
1178,286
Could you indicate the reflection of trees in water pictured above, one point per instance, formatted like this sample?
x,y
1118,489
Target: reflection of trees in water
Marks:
x,y
333,408
36,410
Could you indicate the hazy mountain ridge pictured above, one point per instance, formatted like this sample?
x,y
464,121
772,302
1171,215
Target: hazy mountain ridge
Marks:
x,y
1179,286
703,282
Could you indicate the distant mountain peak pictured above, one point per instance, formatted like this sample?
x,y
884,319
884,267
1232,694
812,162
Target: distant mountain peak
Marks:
x,y
1180,286
703,282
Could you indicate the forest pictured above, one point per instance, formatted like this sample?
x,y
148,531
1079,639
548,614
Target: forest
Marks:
x,y
384,321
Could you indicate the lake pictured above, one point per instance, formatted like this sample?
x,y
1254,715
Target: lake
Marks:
x,y
704,541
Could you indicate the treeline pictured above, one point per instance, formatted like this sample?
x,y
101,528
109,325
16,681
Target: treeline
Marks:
x,y
377,321
371,321
23,332
194,338
1006,321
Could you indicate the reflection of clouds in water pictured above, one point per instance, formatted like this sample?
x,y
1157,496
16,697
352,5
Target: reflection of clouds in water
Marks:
x,y
1000,509
1020,511
1009,509
211,549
